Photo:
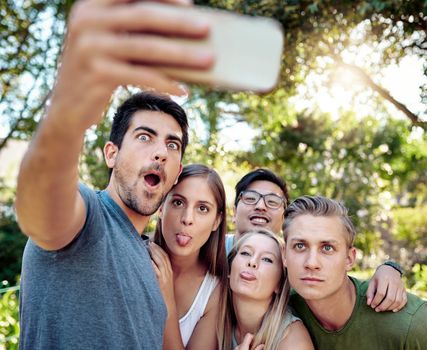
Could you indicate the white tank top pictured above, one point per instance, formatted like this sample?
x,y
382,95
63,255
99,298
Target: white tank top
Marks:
x,y
188,322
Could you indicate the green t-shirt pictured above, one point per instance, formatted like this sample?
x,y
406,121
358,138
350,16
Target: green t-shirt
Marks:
x,y
367,329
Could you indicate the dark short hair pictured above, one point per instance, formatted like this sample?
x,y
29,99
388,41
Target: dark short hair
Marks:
x,y
319,206
147,101
260,175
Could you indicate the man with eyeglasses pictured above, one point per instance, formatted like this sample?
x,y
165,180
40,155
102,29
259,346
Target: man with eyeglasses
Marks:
x,y
260,202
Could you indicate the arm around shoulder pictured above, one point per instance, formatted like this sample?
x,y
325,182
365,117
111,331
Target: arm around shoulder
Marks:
x,y
296,337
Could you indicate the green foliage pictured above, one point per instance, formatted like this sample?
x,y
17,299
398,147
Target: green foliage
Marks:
x,y
93,169
409,228
9,316
31,33
418,280
12,243
410,224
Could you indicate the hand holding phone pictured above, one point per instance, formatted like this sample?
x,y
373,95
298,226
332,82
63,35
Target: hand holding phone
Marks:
x,y
247,50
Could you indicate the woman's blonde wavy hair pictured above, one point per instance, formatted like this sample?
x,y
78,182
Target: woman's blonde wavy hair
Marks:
x,y
273,327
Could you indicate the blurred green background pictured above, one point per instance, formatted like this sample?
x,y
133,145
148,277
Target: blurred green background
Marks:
x,y
347,120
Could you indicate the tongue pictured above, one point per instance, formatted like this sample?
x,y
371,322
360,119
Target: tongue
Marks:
x,y
247,276
182,240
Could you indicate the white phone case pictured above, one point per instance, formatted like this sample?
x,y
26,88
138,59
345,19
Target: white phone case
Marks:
x,y
248,51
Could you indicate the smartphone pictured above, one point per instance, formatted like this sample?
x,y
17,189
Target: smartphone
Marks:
x,y
248,51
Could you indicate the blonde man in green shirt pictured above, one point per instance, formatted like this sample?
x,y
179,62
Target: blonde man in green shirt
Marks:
x,y
319,252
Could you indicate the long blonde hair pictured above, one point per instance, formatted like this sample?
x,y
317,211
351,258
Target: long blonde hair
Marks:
x,y
272,329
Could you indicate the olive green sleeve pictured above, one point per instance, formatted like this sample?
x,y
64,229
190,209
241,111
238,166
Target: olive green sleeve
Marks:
x,y
417,334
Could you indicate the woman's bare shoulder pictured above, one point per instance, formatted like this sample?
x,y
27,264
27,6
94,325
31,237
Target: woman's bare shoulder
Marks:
x,y
296,337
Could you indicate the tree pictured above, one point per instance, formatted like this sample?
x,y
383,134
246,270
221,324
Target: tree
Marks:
x,y
31,33
319,33
12,243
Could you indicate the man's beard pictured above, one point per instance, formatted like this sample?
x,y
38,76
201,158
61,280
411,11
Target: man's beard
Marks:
x,y
144,203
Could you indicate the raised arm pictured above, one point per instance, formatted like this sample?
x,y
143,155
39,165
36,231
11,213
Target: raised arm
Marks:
x,y
105,47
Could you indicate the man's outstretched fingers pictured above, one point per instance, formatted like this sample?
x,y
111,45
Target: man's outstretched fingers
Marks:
x,y
152,49
125,74
143,16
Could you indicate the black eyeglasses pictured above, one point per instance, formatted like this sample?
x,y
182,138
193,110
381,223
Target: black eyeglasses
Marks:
x,y
271,200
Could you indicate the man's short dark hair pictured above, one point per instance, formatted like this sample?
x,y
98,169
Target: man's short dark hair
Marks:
x,y
260,175
147,101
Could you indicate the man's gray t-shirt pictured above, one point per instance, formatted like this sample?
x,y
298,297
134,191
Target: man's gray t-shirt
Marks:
x,y
99,292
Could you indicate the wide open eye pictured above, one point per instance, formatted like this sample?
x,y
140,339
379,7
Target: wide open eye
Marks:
x,y
174,145
328,248
204,209
299,246
144,137
177,202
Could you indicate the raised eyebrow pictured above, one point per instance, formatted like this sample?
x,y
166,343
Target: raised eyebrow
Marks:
x,y
147,129
206,203
178,196
172,137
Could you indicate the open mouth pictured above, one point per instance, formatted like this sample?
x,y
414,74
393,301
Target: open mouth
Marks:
x,y
258,220
183,239
152,179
